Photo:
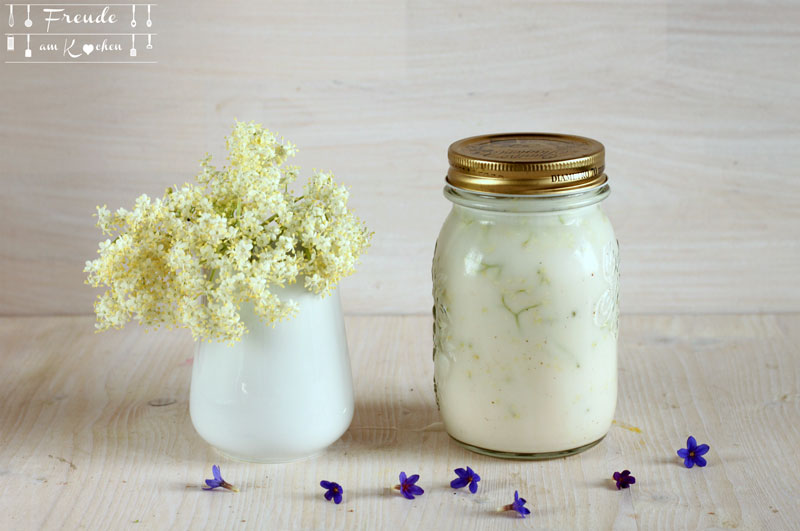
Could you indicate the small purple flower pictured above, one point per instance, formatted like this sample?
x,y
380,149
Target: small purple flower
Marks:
x,y
518,505
334,491
407,487
693,453
466,477
624,479
218,481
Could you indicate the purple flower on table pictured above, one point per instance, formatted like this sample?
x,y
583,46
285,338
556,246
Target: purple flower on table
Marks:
x,y
518,505
624,479
407,486
466,477
693,453
218,481
334,491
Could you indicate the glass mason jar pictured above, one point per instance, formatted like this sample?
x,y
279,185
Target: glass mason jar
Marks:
x,y
525,288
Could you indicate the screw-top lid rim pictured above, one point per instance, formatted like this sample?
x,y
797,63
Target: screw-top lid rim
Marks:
x,y
526,164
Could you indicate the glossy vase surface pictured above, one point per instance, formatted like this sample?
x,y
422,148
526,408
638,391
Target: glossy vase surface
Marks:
x,y
282,393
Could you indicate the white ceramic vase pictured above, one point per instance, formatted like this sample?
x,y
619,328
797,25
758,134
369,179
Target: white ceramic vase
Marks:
x,y
282,393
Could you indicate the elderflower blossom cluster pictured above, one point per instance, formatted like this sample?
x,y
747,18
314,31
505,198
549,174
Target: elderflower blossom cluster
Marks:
x,y
192,257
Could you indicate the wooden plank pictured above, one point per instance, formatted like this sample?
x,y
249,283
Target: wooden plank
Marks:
x,y
80,447
697,104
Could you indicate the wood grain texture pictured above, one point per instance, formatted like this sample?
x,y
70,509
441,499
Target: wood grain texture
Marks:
x,y
81,448
698,105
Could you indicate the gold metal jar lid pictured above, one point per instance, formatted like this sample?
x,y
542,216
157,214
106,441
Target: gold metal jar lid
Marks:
x,y
526,164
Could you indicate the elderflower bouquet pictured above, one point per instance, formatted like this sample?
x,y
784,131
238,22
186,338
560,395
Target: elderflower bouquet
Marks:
x,y
192,257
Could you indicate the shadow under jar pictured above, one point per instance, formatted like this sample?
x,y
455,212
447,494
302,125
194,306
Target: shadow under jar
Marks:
x,y
525,288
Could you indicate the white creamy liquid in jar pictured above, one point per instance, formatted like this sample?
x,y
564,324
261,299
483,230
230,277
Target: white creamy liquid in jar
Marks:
x,y
525,333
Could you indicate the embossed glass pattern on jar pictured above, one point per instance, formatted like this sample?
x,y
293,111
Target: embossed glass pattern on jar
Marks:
x,y
525,287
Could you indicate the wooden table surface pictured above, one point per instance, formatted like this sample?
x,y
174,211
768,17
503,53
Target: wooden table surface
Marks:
x,y
85,443
698,105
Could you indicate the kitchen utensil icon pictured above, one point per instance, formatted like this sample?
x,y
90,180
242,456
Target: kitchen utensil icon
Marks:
x,y
28,21
149,44
149,22
28,49
133,16
10,43
10,15
133,45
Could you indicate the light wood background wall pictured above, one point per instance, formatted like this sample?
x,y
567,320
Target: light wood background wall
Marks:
x,y
697,103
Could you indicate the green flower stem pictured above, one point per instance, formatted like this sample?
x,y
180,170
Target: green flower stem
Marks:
x,y
517,314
